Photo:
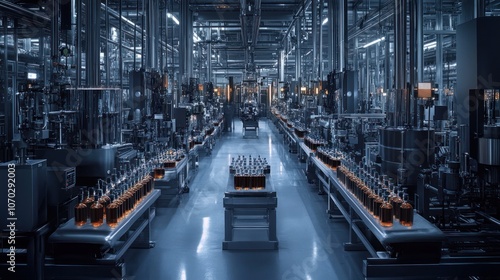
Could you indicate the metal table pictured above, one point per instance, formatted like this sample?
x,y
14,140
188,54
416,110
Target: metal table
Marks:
x,y
92,252
250,218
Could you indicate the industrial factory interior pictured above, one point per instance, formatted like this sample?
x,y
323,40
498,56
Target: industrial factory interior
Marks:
x,y
249,139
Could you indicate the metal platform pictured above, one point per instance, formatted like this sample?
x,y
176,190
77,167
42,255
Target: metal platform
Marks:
x,y
250,218
97,252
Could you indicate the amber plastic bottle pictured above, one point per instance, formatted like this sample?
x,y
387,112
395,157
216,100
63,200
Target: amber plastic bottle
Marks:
x,y
406,212
81,212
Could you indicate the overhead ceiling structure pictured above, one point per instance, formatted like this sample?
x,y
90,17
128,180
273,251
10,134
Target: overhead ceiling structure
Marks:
x,y
234,37
246,33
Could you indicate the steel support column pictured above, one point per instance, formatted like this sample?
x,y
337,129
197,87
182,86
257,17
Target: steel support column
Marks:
x,y
298,55
186,42
152,30
314,21
401,114
92,47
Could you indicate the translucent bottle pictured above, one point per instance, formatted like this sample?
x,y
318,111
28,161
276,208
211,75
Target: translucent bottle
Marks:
x,y
81,211
406,212
386,213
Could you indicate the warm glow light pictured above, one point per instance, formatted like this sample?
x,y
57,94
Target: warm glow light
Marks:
x,y
303,89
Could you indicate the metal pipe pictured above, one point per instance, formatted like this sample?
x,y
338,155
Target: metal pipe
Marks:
x,y
401,114
106,50
480,8
331,35
151,33
243,23
295,17
256,22
298,57
343,36
281,64
78,46
314,21
439,48
54,39
93,19
120,48
320,60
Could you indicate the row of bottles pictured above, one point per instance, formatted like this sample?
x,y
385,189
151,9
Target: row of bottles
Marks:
x,y
329,157
252,181
165,160
314,141
379,195
247,164
112,200
299,129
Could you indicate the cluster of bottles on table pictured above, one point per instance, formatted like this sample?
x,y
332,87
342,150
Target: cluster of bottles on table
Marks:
x,y
249,173
381,198
166,159
113,199
299,129
330,157
313,141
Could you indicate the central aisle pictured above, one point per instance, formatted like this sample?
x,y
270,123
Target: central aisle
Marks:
x,y
189,236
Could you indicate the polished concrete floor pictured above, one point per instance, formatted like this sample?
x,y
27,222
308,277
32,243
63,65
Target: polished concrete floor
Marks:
x,y
189,234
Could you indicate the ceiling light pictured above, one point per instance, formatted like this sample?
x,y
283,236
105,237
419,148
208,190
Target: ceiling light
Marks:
x,y
374,42
324,21
169,15
431,45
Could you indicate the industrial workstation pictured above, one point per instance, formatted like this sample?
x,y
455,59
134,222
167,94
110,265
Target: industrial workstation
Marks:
x,y
249,139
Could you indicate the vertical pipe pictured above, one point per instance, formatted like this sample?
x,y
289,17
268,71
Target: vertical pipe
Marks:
x,y
402,98
320,55
387,64
420,53
106,50
480,8
439,48
331,36
420,40
8,106
343,34
413,55
151,33
54,43
314,21
281,64
120,47
298,56
93,20
209,56
186,41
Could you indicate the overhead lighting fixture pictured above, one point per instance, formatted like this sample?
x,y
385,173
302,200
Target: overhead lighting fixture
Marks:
x,y
324,21
196,38
430,45
169,15
374,42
